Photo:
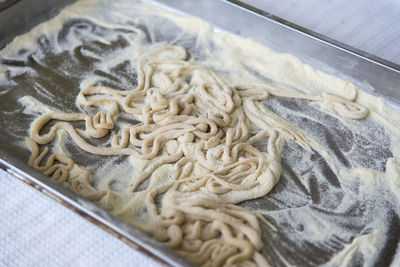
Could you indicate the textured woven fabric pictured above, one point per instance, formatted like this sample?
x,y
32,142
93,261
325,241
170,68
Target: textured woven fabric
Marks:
x,y
369,25
37,231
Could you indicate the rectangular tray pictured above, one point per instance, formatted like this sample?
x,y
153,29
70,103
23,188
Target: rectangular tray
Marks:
x,y
365,71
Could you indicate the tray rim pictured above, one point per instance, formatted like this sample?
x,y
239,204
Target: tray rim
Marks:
x,y
314,35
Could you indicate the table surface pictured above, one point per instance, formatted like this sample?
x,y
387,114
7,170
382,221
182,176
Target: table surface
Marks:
x,y
35,230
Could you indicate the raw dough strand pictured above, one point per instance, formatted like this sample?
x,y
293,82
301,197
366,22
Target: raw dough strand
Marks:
x,y
197,123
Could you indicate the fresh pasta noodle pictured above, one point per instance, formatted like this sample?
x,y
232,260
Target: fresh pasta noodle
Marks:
x,y
206,130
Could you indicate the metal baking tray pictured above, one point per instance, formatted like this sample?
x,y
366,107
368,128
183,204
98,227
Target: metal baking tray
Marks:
x,y
367,72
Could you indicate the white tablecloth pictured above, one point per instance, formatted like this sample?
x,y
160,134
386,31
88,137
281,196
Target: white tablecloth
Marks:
x,y
37,231
369,25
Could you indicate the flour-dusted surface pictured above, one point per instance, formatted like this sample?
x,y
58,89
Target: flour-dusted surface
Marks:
x,y
344,183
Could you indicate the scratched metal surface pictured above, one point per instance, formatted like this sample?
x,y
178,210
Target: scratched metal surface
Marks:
x,y
311,188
